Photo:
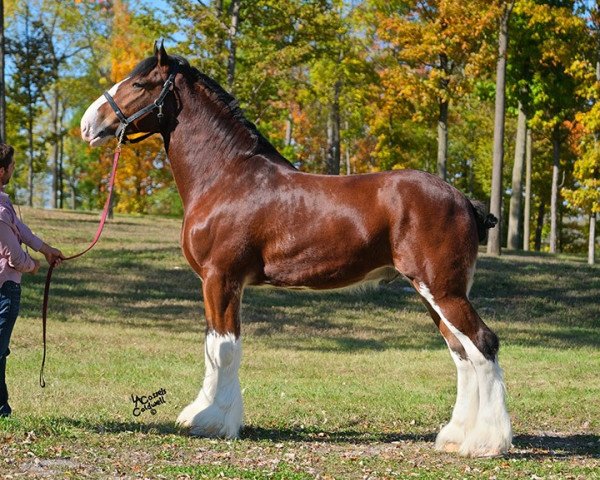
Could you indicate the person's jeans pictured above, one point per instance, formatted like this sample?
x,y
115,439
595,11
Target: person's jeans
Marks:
x,y
10,300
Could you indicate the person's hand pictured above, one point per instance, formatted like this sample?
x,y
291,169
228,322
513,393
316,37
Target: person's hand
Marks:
x,y
53,255
36,266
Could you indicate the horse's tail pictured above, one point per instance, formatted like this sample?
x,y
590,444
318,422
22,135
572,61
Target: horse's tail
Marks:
x,y
483,219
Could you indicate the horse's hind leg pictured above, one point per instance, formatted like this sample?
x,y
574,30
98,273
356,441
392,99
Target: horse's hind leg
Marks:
x,y
218,409
464,414
491,433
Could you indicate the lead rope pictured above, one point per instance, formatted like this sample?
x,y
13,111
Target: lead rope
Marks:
x,y
111,184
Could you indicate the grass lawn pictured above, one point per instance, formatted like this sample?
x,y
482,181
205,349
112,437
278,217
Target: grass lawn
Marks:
x,y
336,385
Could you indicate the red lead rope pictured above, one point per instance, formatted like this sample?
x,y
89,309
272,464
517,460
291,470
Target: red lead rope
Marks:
x,y
111,184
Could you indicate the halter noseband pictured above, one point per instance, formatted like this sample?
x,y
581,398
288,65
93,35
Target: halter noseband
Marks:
x,y
126,121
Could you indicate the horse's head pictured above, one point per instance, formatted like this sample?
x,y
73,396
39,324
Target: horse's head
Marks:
x,y
135,103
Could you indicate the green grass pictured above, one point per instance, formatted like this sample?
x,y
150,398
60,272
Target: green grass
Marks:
x,y
336,385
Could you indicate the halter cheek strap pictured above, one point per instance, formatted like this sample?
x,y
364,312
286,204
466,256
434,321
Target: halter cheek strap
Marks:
x,y
126,121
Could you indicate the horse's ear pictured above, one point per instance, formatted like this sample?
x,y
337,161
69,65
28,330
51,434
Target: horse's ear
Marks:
x,y
161,53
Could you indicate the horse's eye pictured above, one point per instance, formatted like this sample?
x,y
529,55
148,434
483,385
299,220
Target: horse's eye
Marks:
x,y
138,85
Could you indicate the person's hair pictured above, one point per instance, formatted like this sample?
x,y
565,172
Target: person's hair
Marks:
x,y
6,155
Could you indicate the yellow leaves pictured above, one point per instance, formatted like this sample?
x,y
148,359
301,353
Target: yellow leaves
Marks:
x,y
129,42
590,119
433,45
136,180
9,8
586,172
555,28
137,177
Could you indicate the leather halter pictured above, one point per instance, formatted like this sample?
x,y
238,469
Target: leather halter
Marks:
x,y
126,121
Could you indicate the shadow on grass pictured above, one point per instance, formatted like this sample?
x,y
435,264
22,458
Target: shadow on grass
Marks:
x,y
114,426
338,436
557,446
528,446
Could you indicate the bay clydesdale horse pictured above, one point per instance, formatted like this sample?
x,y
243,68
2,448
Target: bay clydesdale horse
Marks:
x,y
251,218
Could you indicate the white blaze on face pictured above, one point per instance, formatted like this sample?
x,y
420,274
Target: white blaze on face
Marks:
x,y
92,124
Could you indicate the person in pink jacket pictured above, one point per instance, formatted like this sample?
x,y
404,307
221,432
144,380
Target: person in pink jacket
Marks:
x,y
13,262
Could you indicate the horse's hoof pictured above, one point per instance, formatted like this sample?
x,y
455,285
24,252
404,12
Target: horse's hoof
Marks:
x,y
449,447
482,451
494,453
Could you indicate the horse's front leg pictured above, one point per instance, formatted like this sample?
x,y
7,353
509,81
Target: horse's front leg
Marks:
x,y
218,409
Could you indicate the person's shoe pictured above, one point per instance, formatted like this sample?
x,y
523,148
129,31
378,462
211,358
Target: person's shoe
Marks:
x,y
5,410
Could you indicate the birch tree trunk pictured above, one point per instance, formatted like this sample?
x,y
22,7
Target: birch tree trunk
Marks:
x,y
514,213
495,234
527,212
554,194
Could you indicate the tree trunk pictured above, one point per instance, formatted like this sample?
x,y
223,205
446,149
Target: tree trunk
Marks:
x,y
592,240
347,151
554,194
514,215
527,212
31,153
73,197
61,182
442,130
471,174
111,208
495,234
332,166
348,166
2,86
233,30
289,129
539,224
55,146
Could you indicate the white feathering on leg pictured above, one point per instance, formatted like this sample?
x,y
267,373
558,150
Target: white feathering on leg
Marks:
x,y
492,433
218,409
465,410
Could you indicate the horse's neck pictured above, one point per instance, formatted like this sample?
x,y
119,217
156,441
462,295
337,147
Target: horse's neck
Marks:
x,y
206,144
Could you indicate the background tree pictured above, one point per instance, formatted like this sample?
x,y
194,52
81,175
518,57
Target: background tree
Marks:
x,y
66,42
29,49
434,44
584,196
554,87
